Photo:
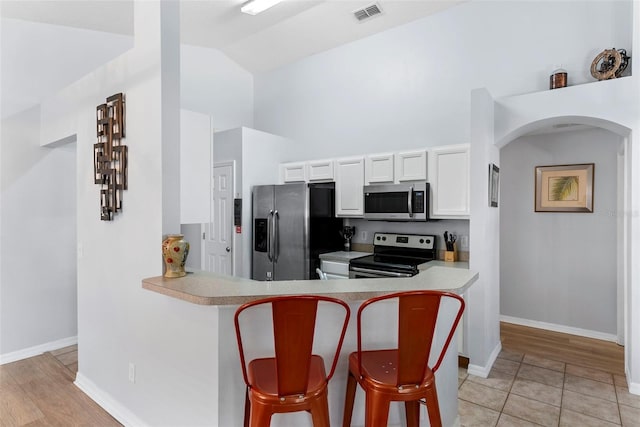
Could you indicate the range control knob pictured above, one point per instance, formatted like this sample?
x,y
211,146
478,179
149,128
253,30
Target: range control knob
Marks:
x,y
428,241
384,238
422,241
377,237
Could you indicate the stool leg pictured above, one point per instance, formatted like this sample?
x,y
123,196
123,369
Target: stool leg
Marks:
x,y
348,400
376,410
247,408
412,411
260,415
320,411
432,406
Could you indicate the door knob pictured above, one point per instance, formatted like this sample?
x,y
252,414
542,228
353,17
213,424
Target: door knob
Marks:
x,y
228,249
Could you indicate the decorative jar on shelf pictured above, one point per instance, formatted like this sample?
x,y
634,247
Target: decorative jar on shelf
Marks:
x,y
174,252
558,78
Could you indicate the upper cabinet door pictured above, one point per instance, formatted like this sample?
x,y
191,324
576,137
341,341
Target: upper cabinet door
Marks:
x,y
349,182
411,166
320,170
379,168
449,172
293,172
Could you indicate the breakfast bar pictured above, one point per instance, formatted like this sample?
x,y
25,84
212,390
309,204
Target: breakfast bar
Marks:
x,y
225,294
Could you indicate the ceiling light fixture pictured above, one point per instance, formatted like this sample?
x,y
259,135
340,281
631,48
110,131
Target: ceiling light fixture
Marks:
x,y
256,6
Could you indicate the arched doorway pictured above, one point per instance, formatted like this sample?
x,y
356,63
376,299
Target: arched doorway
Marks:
x,y
497,122
564,271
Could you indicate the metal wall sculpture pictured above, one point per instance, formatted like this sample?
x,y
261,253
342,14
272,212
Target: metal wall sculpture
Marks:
x,y
110,155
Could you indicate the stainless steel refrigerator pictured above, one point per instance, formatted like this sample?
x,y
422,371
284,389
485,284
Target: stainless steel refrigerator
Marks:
x,y
292,225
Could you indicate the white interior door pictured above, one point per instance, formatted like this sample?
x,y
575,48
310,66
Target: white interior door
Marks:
x,y
219,233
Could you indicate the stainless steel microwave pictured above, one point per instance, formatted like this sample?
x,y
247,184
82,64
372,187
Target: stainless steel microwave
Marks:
x,y
397,202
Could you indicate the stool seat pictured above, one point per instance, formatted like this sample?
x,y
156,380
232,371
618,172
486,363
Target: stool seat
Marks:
x,y
380,371
263,377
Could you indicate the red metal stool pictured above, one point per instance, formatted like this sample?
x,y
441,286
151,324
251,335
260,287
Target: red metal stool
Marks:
x,y
402,373
294,379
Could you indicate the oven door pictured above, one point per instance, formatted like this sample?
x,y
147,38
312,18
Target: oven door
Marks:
x,y
367,273
396,202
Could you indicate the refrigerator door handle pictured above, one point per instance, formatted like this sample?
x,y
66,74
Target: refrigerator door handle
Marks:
x,y
269,231
276,236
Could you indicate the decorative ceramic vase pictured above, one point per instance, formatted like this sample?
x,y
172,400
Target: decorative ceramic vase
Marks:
x,y
174,253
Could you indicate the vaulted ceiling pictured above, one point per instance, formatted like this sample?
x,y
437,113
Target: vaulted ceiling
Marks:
x,y
287,32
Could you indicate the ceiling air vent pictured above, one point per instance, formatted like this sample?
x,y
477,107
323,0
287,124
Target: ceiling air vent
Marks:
x,y
367,12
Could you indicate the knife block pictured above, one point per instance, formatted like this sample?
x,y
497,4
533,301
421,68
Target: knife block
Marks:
x,y
451,256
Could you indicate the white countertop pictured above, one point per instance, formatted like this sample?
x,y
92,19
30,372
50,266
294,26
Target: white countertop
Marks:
x,y
342,256
215,289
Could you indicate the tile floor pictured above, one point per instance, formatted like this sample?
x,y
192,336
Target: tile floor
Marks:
x,y
525,390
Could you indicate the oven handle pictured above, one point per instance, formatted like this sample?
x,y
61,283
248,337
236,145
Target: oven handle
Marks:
x,y
380,272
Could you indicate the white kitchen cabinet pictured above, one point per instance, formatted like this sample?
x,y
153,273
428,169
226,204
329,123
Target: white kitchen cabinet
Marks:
x,y
411,165
320,170
379,168
293,172
449,172
349,177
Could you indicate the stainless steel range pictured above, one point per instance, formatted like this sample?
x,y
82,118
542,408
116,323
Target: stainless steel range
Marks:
x,y
394,255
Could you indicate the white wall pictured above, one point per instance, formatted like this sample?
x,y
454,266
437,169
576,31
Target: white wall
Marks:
x,y
49,52
409,87
212,84
196,137
119,322
38,235
559,268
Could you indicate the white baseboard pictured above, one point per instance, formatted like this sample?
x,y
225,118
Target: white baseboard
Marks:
x,y
634,388
108,403
483,371
37,350
560,328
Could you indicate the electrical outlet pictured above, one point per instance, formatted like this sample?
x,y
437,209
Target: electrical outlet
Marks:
x,y
363,236
464,242
132,372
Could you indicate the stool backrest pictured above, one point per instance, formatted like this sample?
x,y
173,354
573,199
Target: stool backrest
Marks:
x,y
294,324
418,314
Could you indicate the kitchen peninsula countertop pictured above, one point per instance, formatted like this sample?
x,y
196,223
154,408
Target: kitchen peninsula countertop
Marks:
x,y
206,288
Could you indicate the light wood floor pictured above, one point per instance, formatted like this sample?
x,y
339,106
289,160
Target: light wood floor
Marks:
x,y
39,391
572,349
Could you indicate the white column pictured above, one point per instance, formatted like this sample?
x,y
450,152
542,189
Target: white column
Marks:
x,y
483,299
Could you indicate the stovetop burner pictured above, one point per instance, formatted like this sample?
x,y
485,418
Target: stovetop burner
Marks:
x,y
401,253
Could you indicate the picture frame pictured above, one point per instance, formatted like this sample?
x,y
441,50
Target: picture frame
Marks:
x,y
494,185
564,188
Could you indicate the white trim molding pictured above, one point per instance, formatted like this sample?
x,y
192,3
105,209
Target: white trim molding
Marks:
x,y
107,402
634,388
560,328
37,350
483,371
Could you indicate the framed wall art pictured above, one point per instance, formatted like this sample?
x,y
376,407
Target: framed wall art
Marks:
x,y
564,188
494,185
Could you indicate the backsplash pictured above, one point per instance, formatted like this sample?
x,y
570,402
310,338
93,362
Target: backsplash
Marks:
x,y
458,227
